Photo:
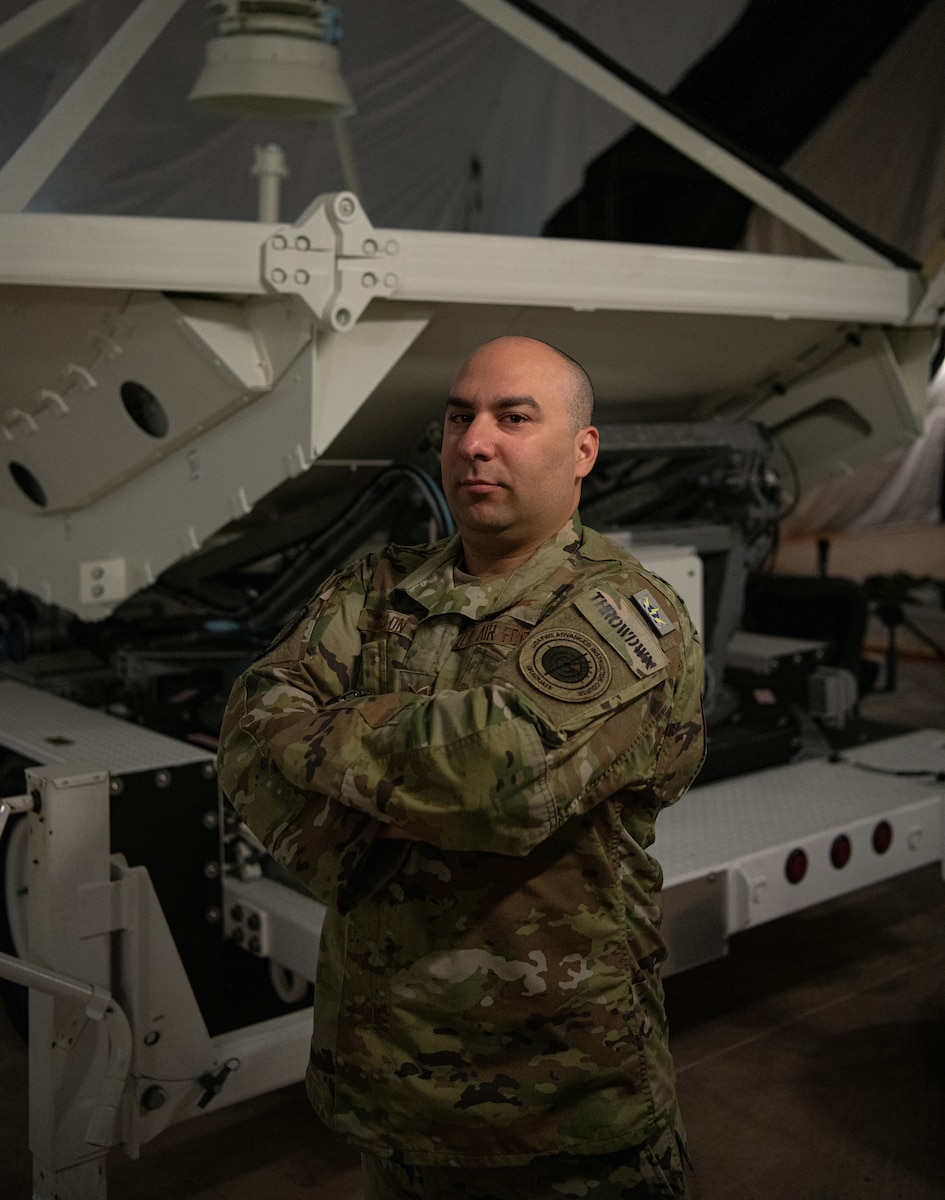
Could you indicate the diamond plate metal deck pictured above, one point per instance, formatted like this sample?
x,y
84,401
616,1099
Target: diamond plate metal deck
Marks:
x,y
50,730
731,819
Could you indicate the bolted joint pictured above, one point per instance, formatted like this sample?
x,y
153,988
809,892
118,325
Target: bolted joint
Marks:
x,y
333,259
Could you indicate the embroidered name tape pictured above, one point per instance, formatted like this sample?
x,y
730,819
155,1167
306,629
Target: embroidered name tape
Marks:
x,y
388,621
497,633
566,664
624,629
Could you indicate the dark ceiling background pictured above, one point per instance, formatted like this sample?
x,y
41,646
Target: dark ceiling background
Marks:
x,y
764,88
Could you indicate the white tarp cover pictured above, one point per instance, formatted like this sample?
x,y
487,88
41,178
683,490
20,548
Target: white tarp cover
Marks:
x,y
435,86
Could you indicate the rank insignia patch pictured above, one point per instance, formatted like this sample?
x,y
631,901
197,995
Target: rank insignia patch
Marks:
x,y
659,622
566,664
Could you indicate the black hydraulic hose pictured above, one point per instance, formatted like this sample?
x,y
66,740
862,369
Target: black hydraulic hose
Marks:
x,y
327,552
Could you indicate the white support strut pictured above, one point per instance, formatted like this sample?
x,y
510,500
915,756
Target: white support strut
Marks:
x,y
33,19
34,161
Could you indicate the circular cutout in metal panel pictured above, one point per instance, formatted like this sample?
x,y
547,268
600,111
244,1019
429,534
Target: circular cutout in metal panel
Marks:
x,y
144,408
28,484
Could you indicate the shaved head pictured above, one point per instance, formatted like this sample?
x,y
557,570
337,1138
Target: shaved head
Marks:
x,y
580,393
516,446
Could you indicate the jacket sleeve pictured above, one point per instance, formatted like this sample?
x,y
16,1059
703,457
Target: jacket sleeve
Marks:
x,y
495,768
311,834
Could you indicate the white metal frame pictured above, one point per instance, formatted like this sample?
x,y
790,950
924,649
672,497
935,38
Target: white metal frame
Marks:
x,y
358,298
99,1079
32,19
268,425
337,262
726,846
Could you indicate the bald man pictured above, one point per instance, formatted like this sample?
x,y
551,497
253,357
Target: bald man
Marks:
x,y
461,750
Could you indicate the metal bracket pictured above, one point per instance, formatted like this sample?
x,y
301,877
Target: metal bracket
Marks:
x,y
14,804
92,1003
931,308
333,259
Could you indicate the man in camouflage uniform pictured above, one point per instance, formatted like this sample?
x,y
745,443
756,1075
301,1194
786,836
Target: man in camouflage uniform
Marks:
x,y
461,750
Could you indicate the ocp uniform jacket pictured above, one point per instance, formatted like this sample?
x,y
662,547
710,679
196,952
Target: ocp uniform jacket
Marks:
x,y
489,991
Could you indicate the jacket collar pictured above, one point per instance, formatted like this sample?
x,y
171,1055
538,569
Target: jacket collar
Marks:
x,y
434,586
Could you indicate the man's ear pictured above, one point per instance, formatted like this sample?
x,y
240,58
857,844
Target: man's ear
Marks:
x,y
587,443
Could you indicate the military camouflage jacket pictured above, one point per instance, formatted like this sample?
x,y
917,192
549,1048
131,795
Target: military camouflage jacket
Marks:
x,y
489,991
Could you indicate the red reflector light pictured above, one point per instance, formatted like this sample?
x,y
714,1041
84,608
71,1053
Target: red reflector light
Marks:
x,y
796,866
882,837
840,851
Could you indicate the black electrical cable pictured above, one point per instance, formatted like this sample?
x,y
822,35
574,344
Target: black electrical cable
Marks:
x,y
912,773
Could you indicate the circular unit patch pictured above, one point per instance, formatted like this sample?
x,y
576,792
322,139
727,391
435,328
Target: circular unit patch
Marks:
x,y
566,664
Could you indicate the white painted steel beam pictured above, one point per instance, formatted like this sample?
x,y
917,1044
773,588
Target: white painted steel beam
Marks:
x,y
581,275
931,307
225,256
272,1054
148,253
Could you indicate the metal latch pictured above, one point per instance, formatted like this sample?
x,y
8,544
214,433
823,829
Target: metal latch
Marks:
x,y
10,805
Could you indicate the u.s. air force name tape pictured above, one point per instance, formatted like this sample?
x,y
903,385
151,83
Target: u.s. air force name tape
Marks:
x,y
566,664
495,633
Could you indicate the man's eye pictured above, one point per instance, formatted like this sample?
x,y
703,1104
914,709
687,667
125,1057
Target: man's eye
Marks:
x,y
459,418
516,418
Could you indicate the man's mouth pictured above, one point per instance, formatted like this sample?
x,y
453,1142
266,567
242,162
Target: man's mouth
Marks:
x,y
476,484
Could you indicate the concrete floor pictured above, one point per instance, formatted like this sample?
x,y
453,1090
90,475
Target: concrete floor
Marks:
x,y
811,1061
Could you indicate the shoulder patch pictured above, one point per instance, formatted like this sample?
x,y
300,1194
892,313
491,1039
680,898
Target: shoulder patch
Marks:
x,y
288,628
566,664
659,622
625,630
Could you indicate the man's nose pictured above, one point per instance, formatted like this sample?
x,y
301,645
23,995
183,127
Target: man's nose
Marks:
x,y
477,440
